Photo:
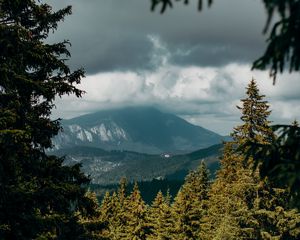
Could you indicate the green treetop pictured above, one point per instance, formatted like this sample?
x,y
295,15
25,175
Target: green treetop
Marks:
x,y
255,113
160,219
239,196
189,206
136,227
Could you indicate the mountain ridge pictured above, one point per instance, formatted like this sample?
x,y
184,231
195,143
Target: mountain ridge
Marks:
x,y
139,129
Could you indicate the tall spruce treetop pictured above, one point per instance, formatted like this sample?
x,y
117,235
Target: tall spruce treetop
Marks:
x,y
255,113
38,196
160,219
189,205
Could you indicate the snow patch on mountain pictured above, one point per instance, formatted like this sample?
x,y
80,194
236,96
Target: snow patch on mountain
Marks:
x,y
112,133
88,135
102,133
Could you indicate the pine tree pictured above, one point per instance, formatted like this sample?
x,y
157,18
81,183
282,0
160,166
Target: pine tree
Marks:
x,y
122,191
95,225
136,227
108,207
114,212
38,195
239,196
256,129
276,220
189,206
231,201
160,218
255,113
119,219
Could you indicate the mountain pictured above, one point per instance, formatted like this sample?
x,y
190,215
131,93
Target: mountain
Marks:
x,y
108,167
139,129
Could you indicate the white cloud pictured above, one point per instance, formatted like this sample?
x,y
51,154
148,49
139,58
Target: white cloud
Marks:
x,y
203,95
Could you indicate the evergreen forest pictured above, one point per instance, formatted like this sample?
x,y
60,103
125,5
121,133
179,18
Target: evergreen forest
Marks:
x,y
237,204
254,195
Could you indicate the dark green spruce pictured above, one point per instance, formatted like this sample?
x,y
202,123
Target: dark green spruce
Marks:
x,y
39,197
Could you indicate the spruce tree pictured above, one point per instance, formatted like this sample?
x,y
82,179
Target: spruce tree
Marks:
x,y
231,201
189,206
113,211
136,227
160,218
38,195
95,225
119,220
255,113
239,195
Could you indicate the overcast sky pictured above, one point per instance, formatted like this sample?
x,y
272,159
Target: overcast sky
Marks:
x,y
193,64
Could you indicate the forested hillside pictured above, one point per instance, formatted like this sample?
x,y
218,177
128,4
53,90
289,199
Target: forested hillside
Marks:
x,y
238,204
108,167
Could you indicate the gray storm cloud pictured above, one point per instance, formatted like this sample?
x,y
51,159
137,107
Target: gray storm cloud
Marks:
x,y
109,35
193,64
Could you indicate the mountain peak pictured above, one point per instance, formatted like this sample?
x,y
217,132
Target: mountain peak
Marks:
x,y
140,129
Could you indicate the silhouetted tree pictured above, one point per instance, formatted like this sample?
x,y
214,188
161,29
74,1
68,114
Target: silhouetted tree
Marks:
x,y
38,195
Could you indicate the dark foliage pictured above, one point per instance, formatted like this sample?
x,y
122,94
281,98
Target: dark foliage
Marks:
x,y
38,195
280,161
169,3
283,42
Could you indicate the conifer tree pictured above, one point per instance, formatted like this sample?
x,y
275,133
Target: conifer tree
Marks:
x,y
119,220
95,226
108,207
136,227
189,206
38,195
114,217
114,212
255,113
160,218
122,191
239,195
280,161
231,201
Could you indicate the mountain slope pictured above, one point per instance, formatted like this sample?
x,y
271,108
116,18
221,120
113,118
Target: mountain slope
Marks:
x,y
139,129
107,167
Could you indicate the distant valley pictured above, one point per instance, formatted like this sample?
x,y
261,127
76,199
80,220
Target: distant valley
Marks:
x,y
108,167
